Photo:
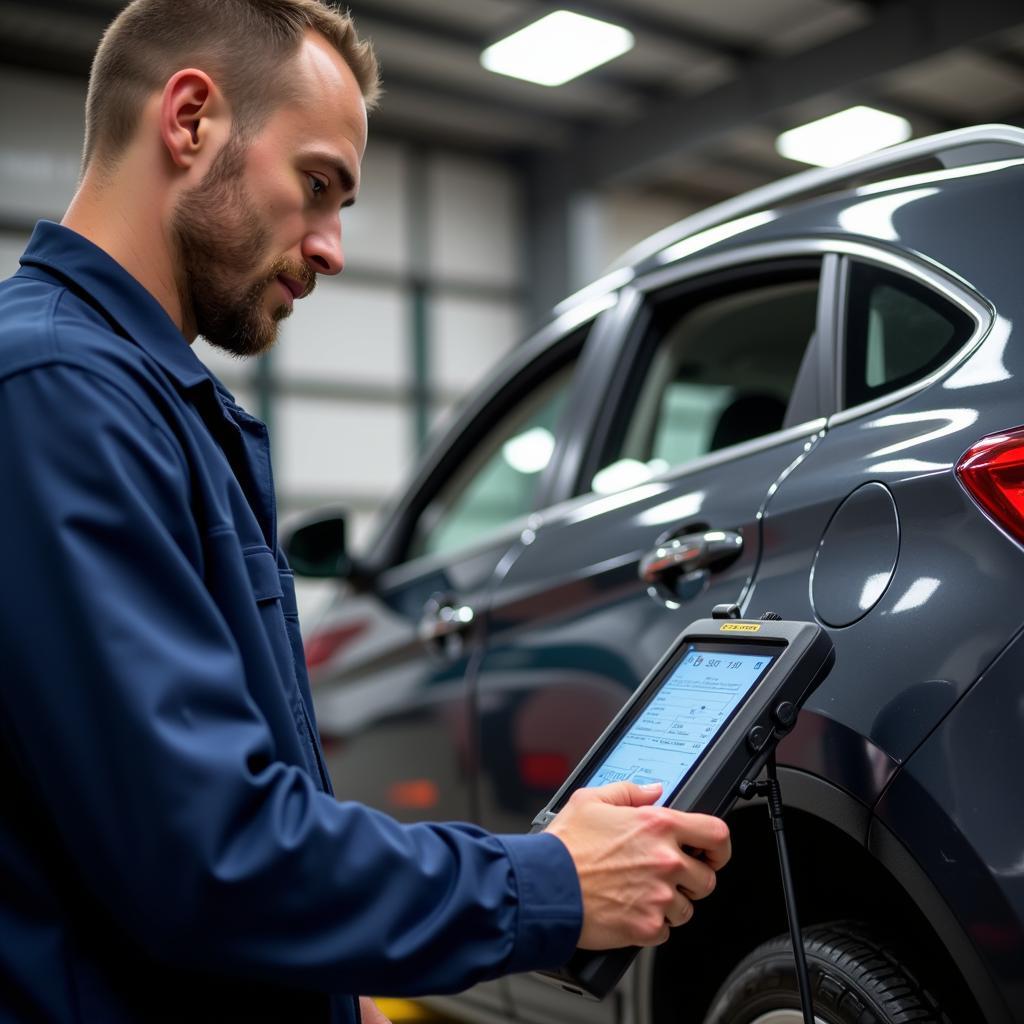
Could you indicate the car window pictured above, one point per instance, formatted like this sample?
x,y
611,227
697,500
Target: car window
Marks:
x,y
897,331
716,369
497,481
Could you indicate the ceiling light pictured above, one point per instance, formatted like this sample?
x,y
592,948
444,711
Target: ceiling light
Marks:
x,y
840,137
530,451
559,47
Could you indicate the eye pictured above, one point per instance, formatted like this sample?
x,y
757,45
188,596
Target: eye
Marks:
x,y
317,186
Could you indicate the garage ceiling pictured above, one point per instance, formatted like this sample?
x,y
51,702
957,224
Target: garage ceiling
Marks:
x,y
691,111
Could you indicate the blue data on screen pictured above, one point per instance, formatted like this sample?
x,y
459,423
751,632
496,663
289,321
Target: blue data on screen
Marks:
x,y
682,719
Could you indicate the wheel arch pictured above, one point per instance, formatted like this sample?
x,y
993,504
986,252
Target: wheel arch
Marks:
x,y
881,885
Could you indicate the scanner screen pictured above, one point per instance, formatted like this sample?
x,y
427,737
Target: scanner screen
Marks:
x,y
682,719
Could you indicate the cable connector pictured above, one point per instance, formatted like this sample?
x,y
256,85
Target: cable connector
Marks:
x,y
769,788
750,788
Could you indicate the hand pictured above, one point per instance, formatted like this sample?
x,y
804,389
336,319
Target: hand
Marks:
x,y
369,1012
636,879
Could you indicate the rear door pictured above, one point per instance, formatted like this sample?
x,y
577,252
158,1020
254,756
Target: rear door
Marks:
x,y
873,534
714,397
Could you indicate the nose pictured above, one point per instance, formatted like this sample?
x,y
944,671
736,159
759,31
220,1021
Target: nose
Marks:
x,y
322,248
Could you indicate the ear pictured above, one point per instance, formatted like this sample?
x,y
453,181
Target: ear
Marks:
x,y
191,109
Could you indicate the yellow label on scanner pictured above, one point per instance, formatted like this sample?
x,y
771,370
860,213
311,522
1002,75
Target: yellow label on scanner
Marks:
x,y
741,627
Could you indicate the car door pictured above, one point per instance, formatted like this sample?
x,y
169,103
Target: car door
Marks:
x,y
713,399
392,652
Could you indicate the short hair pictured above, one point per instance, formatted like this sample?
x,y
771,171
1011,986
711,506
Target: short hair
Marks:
x,y
244,44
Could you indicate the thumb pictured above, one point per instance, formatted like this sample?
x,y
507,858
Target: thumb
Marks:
x,y
627,794
370,1012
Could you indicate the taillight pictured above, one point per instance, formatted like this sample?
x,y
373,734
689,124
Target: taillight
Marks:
x,y
992,471
543,771
327,642
414,794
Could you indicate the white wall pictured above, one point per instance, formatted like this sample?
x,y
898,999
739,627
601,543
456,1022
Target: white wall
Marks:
x,y
348,332
40,144
629,217
474,219
342,376
11,245
469,336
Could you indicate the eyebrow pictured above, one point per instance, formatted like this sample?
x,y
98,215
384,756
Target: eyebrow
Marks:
x,y
345,176
348,182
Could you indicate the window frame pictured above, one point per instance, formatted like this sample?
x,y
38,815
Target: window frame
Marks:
x,y
819,395
563,364
928,275
507,384
748,265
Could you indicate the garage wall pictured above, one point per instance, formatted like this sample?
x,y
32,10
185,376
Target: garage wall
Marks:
x,y
629,217
430,299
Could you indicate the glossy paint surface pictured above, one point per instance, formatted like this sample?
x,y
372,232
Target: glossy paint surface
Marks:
x,y
857,521
394,719
573,629
957,804
856,556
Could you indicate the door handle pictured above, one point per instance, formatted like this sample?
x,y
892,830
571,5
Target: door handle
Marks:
x,y
693,552
443,618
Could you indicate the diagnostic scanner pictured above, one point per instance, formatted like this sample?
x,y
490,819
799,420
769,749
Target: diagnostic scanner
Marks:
x,y
703,723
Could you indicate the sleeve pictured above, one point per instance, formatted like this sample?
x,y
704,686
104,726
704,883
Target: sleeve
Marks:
x,y
124,704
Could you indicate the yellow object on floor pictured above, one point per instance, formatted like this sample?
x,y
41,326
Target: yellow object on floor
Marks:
x,y
400,1010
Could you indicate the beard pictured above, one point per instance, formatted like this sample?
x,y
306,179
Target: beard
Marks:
x,y
220,237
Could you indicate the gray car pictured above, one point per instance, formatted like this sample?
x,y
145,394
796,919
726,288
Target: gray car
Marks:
x,y
807,400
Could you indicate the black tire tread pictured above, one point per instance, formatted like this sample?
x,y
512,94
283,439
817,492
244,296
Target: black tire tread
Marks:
x,y
854,978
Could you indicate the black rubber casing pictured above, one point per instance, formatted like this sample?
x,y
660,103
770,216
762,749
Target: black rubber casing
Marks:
x,y
804,657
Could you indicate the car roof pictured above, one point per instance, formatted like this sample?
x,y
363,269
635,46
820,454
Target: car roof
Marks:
x,y
960,148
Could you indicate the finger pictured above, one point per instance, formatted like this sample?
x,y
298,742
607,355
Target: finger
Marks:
x,y
370,1013
696,880
679,912
623,794
718,855
704,833
660,938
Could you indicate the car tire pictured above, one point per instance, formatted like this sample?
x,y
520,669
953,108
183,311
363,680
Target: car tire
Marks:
x,y
855,979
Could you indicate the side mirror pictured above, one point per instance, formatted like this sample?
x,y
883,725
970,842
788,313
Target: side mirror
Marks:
x,y
317,547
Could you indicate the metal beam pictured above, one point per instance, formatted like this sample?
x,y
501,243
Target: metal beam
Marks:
x,y
932,118
18,54
547,233
423,84
368,12
689,192
1003,55
903,32
103,10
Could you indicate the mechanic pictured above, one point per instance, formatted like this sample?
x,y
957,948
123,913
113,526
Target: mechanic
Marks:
x,y
170,849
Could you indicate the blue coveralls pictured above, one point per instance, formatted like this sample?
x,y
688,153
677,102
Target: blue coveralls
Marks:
x,y
169,846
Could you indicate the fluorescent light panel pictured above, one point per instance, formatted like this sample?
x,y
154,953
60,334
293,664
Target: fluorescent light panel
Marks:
x,y
557,48
840,137
530,451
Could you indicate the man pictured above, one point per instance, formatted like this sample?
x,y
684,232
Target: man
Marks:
x,y
169,848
